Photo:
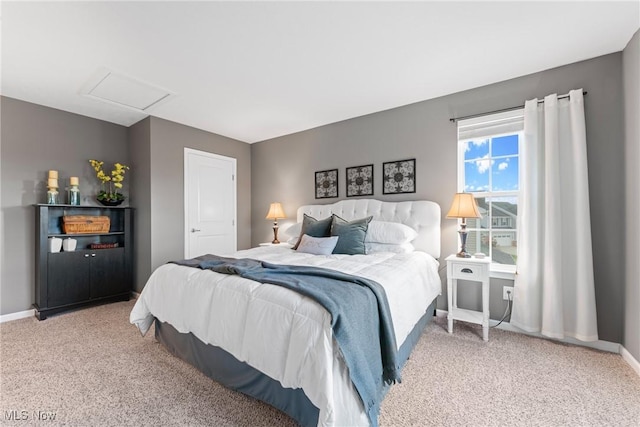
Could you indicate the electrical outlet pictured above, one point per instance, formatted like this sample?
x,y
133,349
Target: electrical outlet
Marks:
x,y
507,293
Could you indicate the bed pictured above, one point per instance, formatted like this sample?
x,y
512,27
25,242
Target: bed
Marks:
x,y
276,345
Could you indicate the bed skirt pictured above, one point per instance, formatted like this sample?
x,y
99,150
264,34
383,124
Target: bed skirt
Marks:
x,y
221,366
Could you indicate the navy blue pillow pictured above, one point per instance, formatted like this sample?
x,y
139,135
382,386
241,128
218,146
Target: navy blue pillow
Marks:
x,y
315,228
350,235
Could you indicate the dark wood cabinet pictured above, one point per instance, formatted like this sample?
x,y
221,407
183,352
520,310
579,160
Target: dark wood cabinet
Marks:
x,y
108,273
67,279
85,276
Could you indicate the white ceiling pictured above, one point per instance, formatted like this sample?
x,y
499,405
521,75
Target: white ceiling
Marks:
x,y
257,70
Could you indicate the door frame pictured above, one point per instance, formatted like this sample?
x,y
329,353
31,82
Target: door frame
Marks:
x,y
233,161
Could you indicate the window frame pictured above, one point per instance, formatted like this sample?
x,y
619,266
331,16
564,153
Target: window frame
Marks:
x,y
497,270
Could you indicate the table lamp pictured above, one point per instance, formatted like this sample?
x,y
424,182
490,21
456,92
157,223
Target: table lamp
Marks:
x,y
464,206
275,213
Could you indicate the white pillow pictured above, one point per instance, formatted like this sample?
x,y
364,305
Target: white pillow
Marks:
x,y
293,230
373,248
317,245
392,233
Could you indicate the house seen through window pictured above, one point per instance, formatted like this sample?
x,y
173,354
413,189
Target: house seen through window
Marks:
x,y
488,167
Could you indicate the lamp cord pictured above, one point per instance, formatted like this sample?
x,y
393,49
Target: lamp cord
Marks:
x,y
507,311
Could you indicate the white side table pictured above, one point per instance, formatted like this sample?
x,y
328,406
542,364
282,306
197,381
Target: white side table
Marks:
x,y
476,270
283,244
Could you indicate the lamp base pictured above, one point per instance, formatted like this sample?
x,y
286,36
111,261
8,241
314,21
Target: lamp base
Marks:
x,y
463,242
275,234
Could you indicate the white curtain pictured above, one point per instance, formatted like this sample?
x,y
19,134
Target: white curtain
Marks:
x,y
554,288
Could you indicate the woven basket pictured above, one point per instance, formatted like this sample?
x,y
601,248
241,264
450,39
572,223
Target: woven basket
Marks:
x,y
79,224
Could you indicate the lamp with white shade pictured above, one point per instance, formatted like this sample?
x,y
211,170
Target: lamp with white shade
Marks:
x,y
275,213
464,206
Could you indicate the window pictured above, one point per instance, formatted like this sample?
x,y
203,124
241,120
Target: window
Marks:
x,y
488,167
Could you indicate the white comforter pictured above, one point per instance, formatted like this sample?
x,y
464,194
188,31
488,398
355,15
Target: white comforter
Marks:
x,y
251,320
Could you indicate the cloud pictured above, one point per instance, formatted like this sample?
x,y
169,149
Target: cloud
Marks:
x,y
502,166
477,143
484,163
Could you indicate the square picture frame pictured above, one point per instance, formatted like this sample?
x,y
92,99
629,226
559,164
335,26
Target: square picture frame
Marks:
x,y
359,181
326,184
399,177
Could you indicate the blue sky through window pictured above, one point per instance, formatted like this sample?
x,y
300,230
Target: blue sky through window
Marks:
x,y
491,164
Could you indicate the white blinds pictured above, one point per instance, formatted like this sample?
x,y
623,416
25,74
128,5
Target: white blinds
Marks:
x,y
491,124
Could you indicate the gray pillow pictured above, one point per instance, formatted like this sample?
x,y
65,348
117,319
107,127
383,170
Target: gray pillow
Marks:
x,y
317,245
350,235
315,228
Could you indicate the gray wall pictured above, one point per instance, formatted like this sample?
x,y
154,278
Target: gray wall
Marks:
x,y
139,139
158,146
36,139
631,74
282,168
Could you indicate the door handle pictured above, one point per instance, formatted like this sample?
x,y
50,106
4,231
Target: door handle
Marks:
x,y
194,230
466,270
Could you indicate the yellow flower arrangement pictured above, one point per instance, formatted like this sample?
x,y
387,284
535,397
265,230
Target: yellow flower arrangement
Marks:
x,y
113,180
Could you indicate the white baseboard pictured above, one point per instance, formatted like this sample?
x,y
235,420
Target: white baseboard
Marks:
x,y
18,315
628,357
28,313
611,347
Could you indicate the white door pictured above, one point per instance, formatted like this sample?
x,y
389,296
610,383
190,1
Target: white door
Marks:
x,y
210,203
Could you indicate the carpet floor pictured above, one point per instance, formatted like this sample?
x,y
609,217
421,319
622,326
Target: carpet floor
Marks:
x,y
92,368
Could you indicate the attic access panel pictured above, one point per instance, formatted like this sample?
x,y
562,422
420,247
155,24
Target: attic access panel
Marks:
x,y
123,90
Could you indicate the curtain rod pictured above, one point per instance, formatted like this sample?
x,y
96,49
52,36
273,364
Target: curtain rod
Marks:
x,y
503,110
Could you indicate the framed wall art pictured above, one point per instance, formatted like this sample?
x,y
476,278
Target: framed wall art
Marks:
x,y
360,181
326,184
399,177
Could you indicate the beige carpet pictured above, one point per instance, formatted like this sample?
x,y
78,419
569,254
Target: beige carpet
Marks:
x,y
92,368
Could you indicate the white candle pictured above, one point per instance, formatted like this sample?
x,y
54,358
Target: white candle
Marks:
x,y
53,174
52,183
73,180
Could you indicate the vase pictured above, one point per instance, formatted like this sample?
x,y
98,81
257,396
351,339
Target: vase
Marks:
x,y
69,244
74,195
52,196
55,244
111,202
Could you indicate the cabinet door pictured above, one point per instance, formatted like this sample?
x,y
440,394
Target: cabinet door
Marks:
x,y
108,272
68,278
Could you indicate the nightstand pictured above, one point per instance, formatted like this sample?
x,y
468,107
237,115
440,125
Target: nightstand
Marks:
x,y
283,244
475,270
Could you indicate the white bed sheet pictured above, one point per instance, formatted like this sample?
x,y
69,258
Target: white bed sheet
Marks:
x,y
250,320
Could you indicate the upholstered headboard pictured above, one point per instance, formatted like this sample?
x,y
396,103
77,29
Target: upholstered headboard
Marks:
x,y
421,215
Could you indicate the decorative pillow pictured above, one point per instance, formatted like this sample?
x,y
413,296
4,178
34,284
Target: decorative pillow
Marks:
x,y
373,248
392,233
293,240
315,228
317,245
351,235
293,232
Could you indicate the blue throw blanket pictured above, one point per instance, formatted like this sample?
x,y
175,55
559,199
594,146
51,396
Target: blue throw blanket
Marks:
x,y
361,320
